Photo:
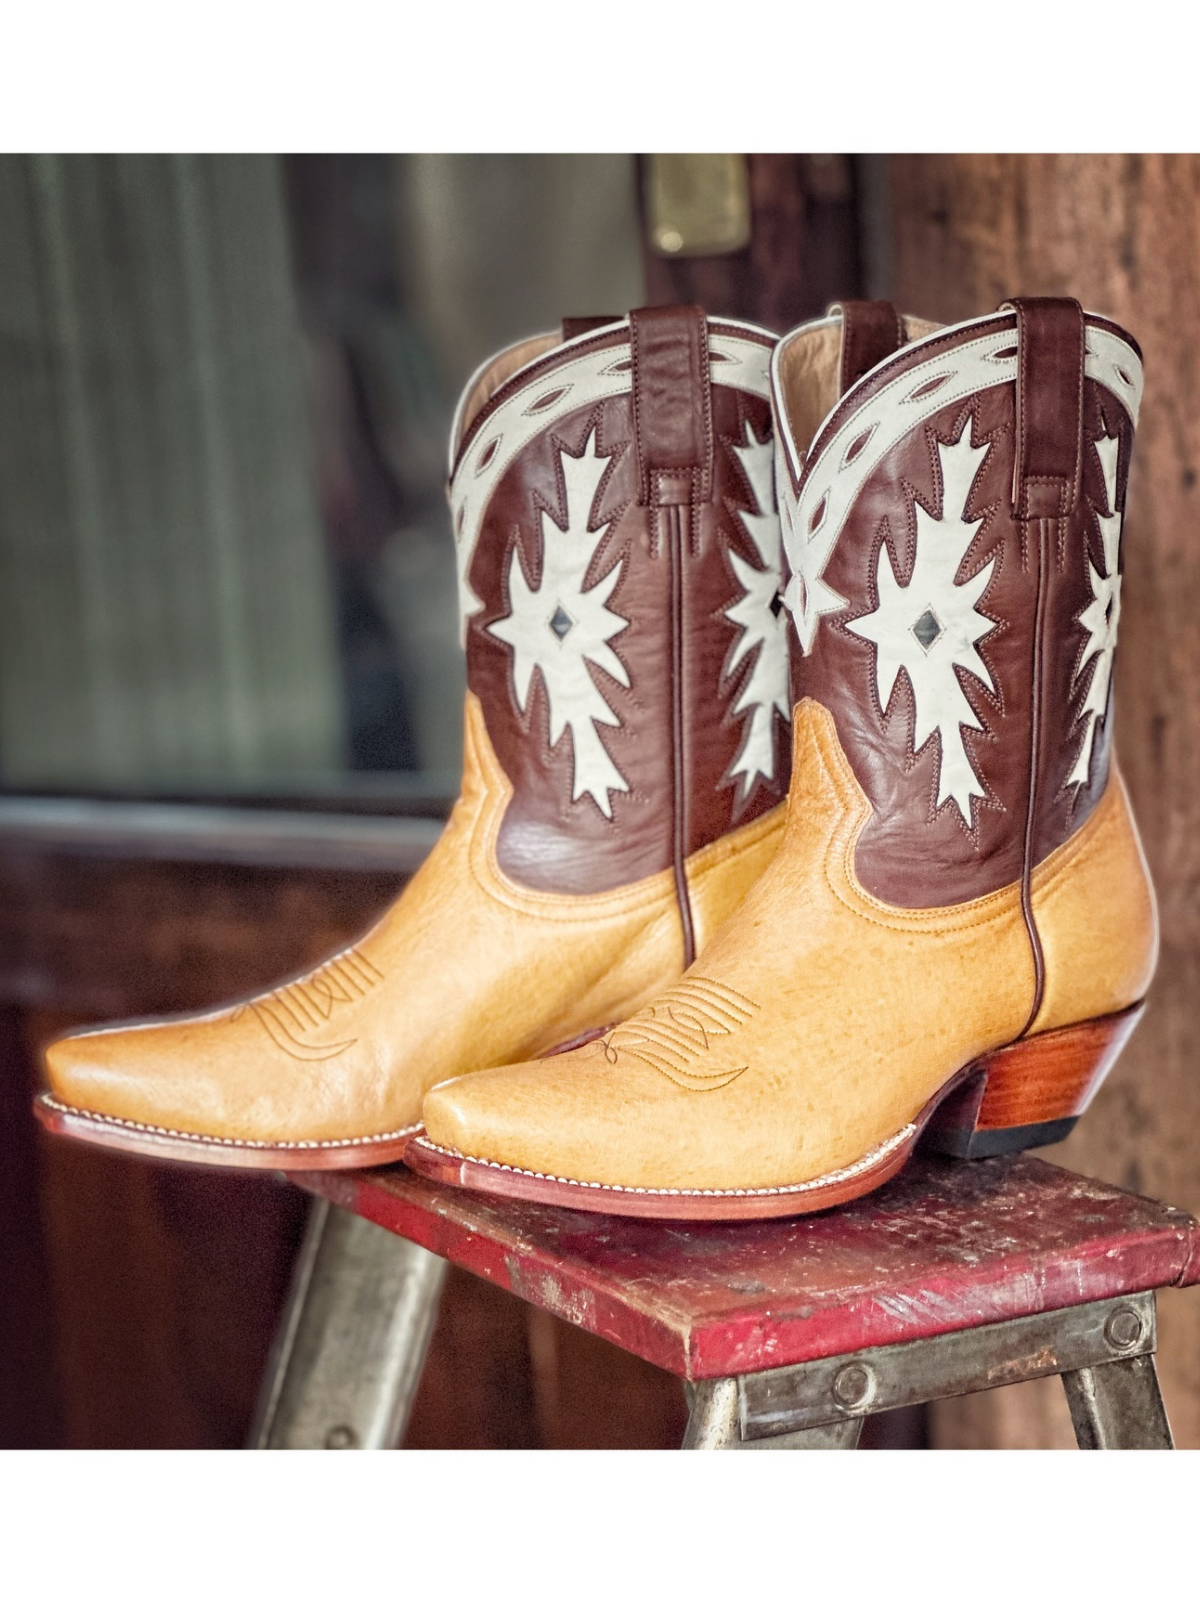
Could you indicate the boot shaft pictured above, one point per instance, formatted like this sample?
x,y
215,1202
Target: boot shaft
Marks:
x,y
953,531
619,566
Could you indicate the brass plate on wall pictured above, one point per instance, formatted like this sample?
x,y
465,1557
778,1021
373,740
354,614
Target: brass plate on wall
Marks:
x,y
697,205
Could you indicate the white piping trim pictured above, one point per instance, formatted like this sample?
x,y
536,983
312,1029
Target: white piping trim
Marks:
x,y
783,428
456,425
813,521
580,382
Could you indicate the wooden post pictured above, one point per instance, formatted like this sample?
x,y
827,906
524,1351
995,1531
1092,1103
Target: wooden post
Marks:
x,y
805,248
1121,234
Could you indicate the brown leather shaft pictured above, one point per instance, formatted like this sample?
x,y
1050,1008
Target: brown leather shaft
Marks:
x,y
913,851
871,331
952,805
672,509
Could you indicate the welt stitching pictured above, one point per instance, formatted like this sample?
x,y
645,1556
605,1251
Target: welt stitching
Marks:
x,y
215,1139
875,1154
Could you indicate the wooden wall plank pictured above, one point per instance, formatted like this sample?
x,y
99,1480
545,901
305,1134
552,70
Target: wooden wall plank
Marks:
x,y
30,1411
804,252
1122,234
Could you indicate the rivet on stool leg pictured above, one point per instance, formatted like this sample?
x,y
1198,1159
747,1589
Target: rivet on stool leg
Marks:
x,y
854,1385
1123,1328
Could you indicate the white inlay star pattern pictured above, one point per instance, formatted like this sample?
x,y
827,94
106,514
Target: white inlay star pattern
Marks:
x,y
932,625
1102,615
559,627
843,460
764,625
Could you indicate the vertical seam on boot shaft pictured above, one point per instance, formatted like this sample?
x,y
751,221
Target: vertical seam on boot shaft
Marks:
x,y
679,775
1046,533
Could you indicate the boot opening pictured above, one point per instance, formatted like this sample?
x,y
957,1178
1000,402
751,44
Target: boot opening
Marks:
x,y
810,364
489,378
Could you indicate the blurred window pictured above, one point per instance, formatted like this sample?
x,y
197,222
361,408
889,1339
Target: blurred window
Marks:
x,y
226,385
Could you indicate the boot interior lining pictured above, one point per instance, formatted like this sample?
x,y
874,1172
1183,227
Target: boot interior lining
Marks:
x,y
809,370
500,371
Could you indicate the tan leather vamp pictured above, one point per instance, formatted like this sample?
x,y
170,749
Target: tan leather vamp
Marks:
x,y
820,1020
466,970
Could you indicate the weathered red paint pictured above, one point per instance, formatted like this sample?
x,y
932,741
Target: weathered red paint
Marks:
x,y
947,1244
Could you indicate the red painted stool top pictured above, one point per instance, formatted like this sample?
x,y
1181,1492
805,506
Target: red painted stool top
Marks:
x,y
947,1244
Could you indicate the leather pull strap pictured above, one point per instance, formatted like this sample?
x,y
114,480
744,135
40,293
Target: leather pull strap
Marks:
x,y
572,327
1049,452
871,330
672,405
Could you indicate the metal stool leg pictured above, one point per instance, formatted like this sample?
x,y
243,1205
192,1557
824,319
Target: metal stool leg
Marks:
x,y
714,1424
1103,1351
350,1347
1118,1406
712,1415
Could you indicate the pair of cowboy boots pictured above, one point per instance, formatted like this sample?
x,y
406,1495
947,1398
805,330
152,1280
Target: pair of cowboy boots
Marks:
x,y
948,930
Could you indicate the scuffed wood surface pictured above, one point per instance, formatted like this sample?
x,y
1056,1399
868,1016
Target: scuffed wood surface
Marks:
x,y
1122,234
946,1245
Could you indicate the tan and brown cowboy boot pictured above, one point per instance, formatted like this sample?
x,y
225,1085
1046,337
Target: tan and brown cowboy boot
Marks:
x,y
958,929
626,759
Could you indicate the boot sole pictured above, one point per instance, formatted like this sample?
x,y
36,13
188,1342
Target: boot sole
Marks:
x,y
168,1144
1015,1098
